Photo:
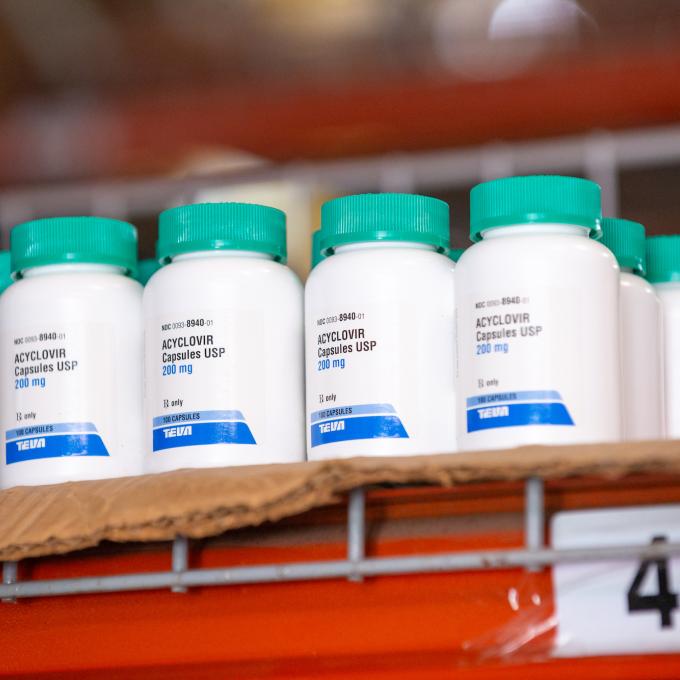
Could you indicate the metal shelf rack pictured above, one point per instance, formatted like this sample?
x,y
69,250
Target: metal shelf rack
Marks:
x,y
355,567
600,155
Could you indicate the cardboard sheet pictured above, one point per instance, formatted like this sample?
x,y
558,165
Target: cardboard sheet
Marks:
x,y
61,518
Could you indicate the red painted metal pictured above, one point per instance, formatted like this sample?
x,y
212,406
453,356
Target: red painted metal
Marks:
x,y
149,133
424,626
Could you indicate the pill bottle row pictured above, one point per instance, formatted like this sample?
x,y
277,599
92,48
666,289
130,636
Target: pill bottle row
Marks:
x,y
543,331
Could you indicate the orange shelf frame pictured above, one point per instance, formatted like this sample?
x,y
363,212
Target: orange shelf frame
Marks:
x,y
417,626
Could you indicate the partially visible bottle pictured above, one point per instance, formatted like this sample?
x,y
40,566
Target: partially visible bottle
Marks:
x,y
640,335
663,267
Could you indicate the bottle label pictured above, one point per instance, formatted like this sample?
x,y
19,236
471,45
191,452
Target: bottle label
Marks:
x,y
200,427
353,375
510,409
514,359
203,380
61,381
360,421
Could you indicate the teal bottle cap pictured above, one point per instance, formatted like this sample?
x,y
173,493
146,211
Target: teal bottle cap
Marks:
x,y
146,269
663,258
385,217
455,253
626,240
5,270
222,226
317,252
535,199
68,240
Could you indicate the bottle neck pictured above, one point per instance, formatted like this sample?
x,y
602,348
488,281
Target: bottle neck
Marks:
x,y
536,229
72,268
203,254
373,245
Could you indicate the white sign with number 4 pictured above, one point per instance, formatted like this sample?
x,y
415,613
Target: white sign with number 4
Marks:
x,y
617,607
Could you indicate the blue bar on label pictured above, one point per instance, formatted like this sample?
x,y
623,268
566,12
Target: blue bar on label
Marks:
x,y
46,430
195,417
197,434
504,397
361,427
513,415
54,446
353,410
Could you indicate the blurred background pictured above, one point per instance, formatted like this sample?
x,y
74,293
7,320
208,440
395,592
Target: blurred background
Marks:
x,y
125,107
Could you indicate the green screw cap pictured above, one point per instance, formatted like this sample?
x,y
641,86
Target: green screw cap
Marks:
x,y
317,253
626,240
455,253
663,259
5,270
146,269
385,217
222,226
64,240
535,199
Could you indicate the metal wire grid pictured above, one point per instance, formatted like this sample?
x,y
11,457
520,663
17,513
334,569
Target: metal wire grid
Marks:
x,y
355,567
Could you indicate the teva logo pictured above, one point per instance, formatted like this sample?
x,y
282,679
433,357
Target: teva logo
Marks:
x,y
494,412
28,444
333,426
180,431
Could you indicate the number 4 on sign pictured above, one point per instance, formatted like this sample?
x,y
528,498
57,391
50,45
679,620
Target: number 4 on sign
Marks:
x,y
665,601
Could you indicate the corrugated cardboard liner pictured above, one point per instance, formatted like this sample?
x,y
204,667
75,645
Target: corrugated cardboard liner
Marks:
x,y
198,503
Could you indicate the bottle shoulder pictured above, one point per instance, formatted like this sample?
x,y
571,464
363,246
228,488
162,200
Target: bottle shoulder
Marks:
x,y
547,253
87,298
638,292
222,278
669,292
384,264
69,285
222,267
636,282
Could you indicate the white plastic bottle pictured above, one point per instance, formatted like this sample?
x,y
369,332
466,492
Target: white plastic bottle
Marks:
x,y
663,267
641,346
224,341
380,330
71,353
537,305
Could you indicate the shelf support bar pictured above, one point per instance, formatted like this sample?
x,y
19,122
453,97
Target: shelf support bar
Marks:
x,y
356,529
369,567
180,559
534,516
9,577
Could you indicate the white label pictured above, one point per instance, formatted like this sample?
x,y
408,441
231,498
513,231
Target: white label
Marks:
x,y
514,355
617,607
204,385
62,382
354,379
